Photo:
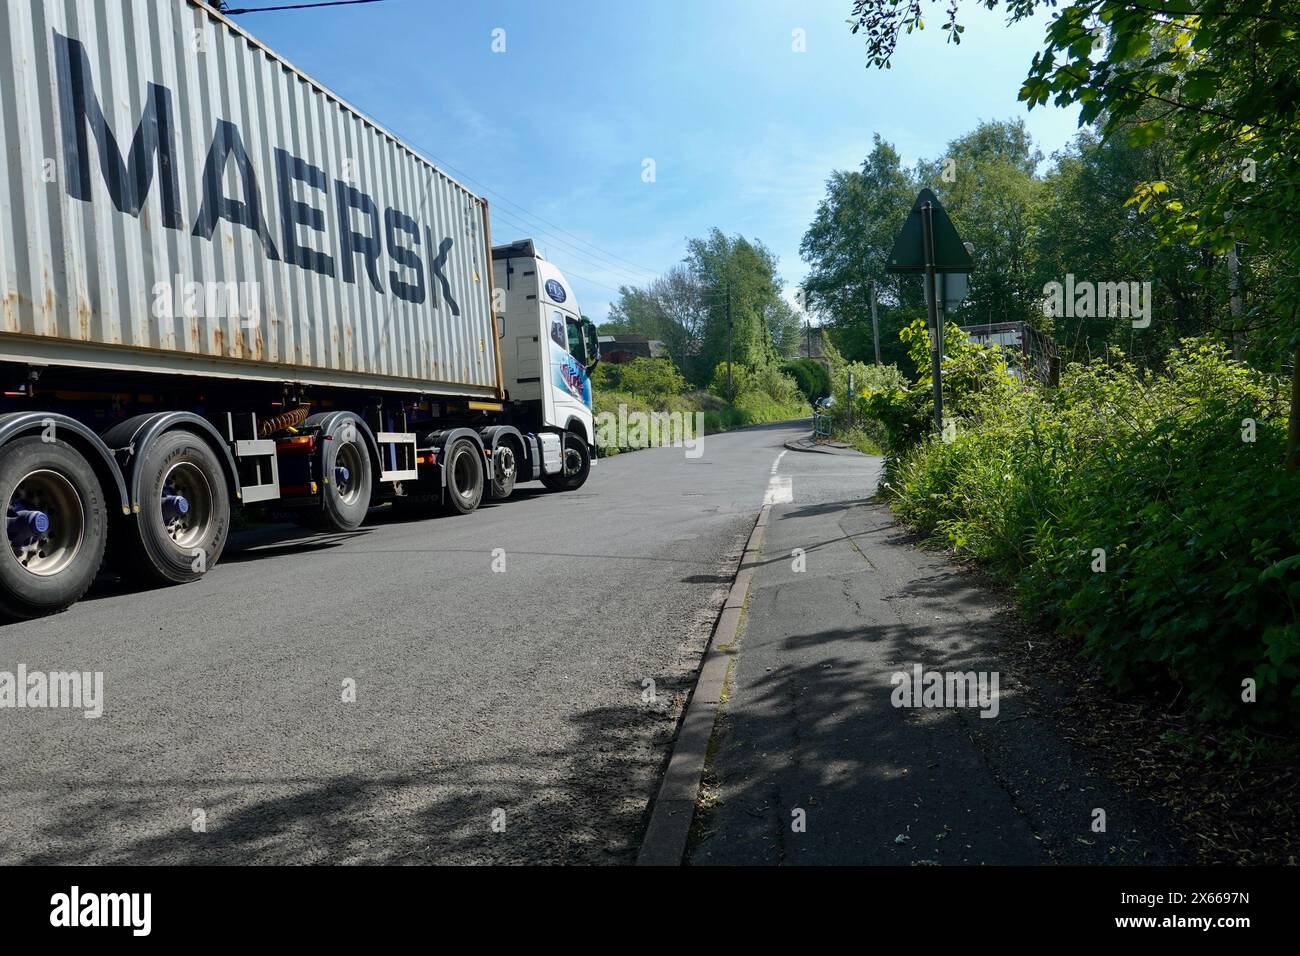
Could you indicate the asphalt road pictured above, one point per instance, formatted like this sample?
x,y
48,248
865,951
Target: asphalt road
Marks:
x,y
499,717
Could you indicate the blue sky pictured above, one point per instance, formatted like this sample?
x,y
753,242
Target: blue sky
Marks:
x,y
743,131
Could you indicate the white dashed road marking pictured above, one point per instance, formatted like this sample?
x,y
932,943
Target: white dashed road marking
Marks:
x,y
780,488
780,491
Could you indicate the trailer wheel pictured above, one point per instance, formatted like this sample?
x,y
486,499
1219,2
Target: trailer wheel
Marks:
x,y
346,499
56,523
575,465
184,518
505,469
464,469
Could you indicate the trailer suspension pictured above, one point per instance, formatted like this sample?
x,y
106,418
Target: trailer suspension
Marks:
x,y
283,422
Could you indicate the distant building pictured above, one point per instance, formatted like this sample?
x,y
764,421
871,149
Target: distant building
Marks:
x,y
626,346
1037,351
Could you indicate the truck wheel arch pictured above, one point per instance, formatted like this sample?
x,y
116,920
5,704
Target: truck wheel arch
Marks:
x,y
135,434
495,435
96,452
443,440
576,426
326,422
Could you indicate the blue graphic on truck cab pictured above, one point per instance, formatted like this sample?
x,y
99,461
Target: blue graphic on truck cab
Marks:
x,y
555,290
568,374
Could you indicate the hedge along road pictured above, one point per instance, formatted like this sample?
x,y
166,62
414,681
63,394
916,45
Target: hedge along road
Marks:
x,y
499,717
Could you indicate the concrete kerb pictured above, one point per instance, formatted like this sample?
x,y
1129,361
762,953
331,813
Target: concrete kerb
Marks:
x,y
664,843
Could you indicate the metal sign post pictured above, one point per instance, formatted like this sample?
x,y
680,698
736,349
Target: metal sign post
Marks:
x,y
932,306
929,243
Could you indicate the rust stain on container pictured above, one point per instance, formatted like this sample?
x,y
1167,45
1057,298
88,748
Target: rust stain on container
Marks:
x,y
11,300
48,318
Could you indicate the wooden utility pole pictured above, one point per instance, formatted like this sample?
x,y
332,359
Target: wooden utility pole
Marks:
x,y
730,395
875,322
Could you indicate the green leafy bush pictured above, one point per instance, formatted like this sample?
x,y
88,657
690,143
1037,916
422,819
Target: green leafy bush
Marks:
x,y
902,415
778,386
811,377
741,380
654,386
854,420
1147,514
648,377
764,379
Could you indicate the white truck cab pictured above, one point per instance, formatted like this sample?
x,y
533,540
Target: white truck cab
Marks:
x,y
547,349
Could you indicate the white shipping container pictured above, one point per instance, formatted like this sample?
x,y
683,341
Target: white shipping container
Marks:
x,y
175,197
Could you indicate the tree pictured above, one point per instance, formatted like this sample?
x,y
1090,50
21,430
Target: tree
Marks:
x,y
744,290
847,247
671,308
1219,80
784,328
686,307
1086,228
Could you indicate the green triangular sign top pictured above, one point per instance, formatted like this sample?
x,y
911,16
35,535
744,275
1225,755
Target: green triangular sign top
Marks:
x,y
950,253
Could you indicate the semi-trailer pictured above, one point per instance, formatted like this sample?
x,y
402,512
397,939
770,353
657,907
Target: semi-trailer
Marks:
x,y
224,288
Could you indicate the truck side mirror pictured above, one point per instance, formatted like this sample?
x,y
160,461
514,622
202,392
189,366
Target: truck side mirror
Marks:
x,y
592,341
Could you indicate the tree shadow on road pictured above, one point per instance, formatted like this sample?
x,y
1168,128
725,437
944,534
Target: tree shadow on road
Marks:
x,y
583,802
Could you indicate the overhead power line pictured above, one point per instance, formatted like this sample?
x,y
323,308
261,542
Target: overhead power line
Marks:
x,y
568,250
584,250
236,11
603,253
499,215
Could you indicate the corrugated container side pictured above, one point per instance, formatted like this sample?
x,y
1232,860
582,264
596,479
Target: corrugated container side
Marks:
x,y
111,257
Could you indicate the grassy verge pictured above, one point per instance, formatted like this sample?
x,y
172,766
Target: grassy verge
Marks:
x,y
719,416
858,438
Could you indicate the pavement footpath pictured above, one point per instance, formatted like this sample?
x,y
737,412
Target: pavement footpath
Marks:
x,y
812,761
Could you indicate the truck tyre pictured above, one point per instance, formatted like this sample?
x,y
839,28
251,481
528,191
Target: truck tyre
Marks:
x,y
505,468
345,500
184,518
57,526
463,467
575,463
